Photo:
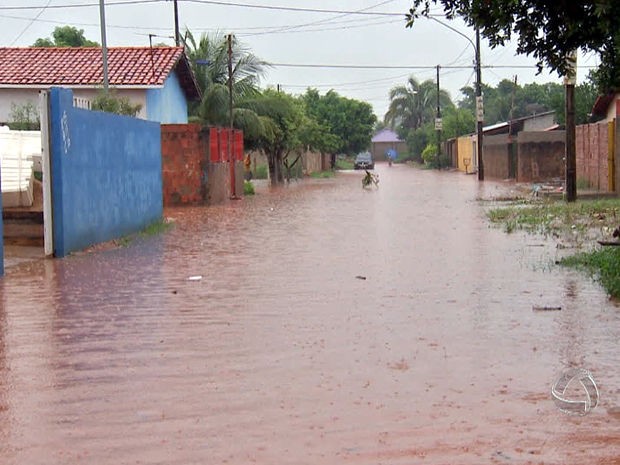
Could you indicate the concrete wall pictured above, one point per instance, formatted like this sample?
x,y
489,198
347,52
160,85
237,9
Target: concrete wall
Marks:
x,y
106,174
167,105
594,152
21,96
538,122
465,150
496,156
540,156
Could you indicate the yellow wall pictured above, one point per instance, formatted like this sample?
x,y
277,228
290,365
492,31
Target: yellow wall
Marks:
x,y
465,151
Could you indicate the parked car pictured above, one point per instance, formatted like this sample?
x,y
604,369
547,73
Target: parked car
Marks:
x,y
364,161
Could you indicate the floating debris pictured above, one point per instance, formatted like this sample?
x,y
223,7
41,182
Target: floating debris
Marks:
x,y
360,277
545,308
194,278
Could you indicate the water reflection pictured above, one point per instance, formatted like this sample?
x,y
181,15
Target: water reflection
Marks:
x,y
280,353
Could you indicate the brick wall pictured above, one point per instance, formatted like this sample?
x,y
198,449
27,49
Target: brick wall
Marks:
x,y
495,156
195,166
592,145
184,150
540,156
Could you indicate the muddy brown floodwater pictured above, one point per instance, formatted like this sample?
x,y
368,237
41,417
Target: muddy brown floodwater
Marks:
x,y
282,354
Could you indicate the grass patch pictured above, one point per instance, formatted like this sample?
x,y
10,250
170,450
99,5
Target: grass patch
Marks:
x,y
248,188
323,174
580,224
153,229
344,164
558,217
603,265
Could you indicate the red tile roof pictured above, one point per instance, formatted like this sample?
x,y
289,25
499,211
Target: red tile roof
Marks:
x,y
83,66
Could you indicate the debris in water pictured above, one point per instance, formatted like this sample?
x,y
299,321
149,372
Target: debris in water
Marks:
x,y
360,277
544,308
194,278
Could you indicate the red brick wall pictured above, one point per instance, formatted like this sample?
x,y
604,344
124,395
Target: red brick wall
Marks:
x,y
184,151
592,155
540,156
194,164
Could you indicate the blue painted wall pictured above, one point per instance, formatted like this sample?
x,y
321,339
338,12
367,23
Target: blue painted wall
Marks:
x,y
168,104
106,174
1,232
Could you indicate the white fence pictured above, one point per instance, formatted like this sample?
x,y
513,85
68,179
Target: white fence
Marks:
x,y
19,151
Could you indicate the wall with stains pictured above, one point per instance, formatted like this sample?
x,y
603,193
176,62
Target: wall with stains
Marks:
x,y
106,174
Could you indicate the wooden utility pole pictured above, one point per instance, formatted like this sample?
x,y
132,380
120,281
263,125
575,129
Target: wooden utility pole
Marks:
x,y
571,152
176,24
438,124
231,158
479,108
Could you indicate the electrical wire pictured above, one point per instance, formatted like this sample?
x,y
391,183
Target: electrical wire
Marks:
x,y
82,5
31,22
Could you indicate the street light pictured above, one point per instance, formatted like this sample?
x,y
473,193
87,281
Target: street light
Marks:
x,y
479,103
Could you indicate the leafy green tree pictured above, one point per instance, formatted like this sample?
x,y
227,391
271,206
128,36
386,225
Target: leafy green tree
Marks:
x,y
546,30
458,122
281,117
66,36
208,57
348,122
414,104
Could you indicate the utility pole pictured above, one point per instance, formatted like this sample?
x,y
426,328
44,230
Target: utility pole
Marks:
x,y
231,160
438,124
479,108
571,155
104,47
176,23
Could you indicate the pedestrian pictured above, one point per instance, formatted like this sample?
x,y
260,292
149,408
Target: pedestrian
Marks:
x,y
247,164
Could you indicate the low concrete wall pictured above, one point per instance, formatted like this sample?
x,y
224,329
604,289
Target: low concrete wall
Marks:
x,y
106,174
540,156
1,231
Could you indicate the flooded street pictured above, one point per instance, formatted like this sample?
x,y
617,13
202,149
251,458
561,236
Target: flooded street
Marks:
x,y
329,325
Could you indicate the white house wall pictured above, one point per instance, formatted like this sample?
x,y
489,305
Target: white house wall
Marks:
x,y
23,96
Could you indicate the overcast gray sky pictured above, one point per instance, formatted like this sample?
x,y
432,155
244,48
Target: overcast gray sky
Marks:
x,y
288,32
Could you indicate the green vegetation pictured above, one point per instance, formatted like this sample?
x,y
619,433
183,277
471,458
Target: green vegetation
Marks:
x,y
112,103
153,229
24,117
248,188
323,174
344,163
66,36
558,218
603,265
261,172
579,224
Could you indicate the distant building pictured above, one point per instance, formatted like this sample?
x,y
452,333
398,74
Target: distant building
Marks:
x,y
160,79
385,140
606,107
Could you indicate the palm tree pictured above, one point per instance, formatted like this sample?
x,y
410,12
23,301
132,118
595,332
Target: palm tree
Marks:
x,y
208,57
414,104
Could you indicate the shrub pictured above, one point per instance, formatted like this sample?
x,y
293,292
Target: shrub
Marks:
x,y
112,103
248,188
24,117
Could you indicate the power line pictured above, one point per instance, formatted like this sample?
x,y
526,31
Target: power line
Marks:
x,y
298,9
81,5
31,21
